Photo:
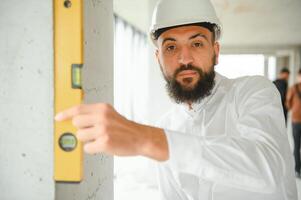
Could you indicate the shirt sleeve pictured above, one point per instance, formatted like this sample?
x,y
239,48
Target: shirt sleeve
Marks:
x,y
250,157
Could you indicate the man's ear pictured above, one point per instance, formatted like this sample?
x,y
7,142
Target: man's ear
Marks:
x,y
216,51
157,56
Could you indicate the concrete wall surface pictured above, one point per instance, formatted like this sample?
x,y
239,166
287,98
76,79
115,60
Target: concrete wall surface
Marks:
x,y
26,100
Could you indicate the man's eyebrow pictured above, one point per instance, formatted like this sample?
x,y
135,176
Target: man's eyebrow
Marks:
x,y
168,39
199,35
191,37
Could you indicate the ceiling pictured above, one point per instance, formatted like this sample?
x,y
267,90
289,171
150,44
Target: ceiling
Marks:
x,y
245,22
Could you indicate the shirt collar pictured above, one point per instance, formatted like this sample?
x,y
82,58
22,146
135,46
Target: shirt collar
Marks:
x,y
199,105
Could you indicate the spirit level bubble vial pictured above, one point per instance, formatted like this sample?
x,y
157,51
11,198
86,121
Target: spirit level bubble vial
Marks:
x,y
68,59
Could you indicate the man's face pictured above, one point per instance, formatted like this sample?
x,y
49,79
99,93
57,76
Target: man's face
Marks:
x,y
187,56
285,75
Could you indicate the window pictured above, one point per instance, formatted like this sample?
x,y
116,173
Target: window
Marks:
x,y
132,179
233,66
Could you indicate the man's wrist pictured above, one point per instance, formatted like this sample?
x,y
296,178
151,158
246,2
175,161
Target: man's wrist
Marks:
x,y
154,143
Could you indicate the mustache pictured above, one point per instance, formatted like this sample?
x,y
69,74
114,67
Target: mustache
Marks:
x,y
188,67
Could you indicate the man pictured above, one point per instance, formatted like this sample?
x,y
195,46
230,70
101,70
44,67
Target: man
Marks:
x,y
226,138
293,103
281,84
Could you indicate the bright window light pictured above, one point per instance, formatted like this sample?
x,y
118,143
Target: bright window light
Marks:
x,y
272,68
233,66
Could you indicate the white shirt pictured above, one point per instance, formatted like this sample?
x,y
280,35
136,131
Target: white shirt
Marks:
x,y
231,146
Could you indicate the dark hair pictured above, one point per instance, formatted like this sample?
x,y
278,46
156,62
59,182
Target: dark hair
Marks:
x,y
299,71
285,70
213,28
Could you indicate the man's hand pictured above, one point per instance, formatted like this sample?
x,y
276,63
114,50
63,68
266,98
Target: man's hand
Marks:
x,y
102,129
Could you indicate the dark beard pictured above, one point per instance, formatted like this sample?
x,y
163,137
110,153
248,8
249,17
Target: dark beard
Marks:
x,y
201,89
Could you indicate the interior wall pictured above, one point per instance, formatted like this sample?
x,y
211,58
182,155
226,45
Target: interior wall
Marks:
x,y
26,100
98,87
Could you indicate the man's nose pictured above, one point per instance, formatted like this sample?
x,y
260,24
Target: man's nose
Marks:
x,y
185,56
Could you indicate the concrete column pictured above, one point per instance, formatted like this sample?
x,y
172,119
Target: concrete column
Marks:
x,y
295,62
26,100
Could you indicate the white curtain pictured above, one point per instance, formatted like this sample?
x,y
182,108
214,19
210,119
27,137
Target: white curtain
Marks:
x,y
130,70
134,177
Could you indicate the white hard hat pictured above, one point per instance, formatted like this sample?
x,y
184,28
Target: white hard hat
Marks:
x,y
170,13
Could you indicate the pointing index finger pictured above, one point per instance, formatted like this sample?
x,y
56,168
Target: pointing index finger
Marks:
x,y
67,114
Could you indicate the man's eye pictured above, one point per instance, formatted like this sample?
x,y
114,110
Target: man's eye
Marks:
x,y
197,44
170,48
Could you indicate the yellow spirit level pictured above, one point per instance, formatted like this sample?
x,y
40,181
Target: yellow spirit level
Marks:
x,y
68,59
